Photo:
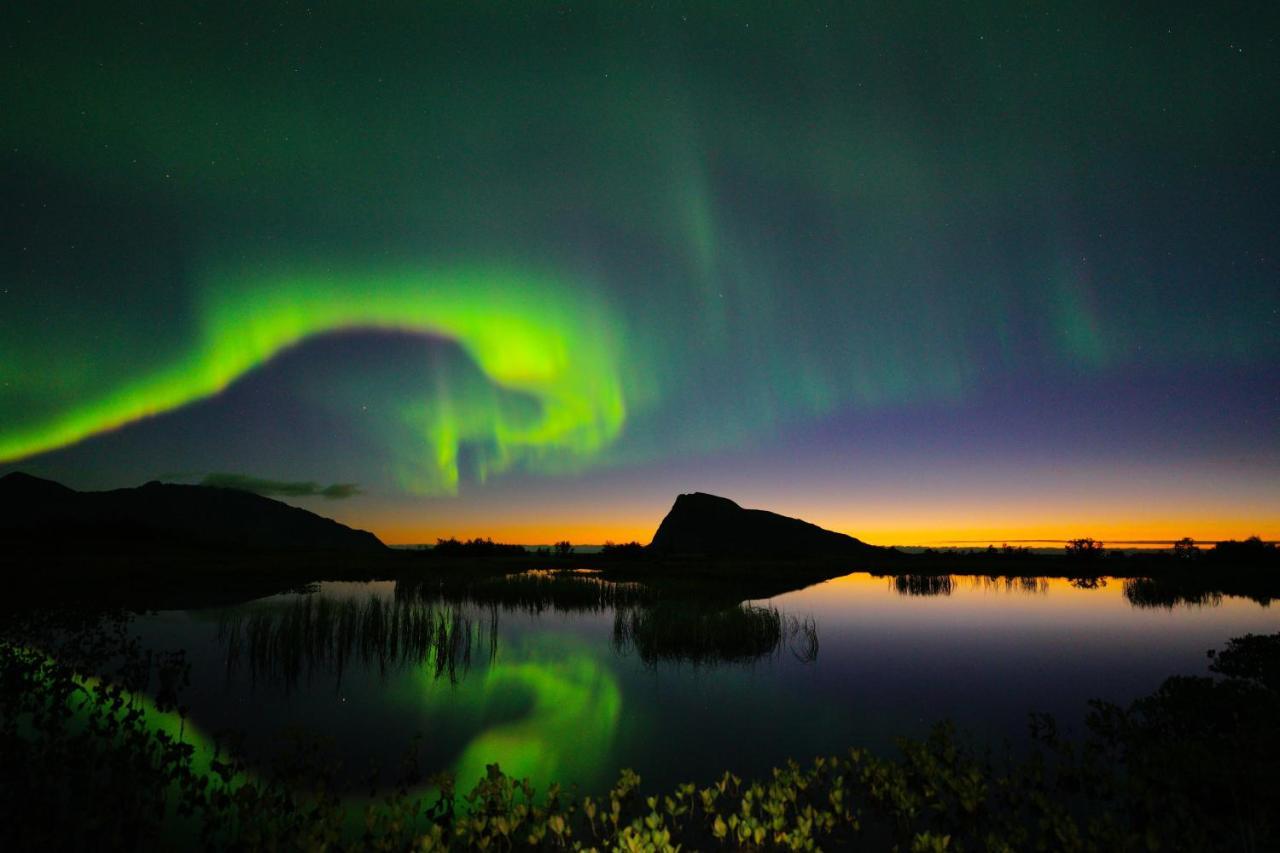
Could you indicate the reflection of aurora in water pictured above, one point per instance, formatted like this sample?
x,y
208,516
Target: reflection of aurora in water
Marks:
x,y
559,705
545,709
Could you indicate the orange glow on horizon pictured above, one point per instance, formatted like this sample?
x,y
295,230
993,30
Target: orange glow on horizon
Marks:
x,y
905,533
1138,510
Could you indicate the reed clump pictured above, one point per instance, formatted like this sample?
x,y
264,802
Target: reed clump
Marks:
x,y
698,635
317,633
529,591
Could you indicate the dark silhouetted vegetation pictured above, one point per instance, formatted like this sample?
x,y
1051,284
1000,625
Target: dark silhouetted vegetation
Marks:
x,y
1166,593
625,551
1251,552
938,584
476,548
316,633
531,592
923,584
443,626
1088,582
698,635
1085,549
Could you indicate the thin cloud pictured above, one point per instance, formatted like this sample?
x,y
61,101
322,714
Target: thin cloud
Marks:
x,y
281,488
338,491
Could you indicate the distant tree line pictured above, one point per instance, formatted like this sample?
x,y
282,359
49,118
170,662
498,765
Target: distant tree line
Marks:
x,y
476,548
625,551
991,551
486,547
1250,552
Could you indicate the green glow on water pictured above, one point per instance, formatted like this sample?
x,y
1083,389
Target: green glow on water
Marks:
x,y
558,706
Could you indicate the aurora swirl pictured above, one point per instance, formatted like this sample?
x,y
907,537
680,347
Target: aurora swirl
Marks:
x,y
523,339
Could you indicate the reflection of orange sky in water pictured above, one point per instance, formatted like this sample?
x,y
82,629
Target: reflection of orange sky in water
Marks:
x,y
861,586
983,603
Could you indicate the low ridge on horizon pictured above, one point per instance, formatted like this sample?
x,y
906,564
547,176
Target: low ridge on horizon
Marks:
x,y
37,509
34,509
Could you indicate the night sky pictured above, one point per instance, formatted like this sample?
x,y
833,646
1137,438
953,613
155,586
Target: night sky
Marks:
x,y
916,272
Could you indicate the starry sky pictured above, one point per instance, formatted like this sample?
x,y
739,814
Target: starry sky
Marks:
x,y
919,272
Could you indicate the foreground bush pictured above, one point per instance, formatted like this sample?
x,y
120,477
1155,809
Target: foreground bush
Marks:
x,y
87,762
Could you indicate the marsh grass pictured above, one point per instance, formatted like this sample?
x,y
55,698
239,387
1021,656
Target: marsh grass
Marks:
x,y
1023,584
923,585
529,592
318,634
446,625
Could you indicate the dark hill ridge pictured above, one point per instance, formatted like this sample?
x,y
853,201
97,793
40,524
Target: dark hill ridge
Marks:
x,y
33,510
712,526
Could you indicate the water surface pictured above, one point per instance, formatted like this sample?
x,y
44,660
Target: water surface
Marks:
x,y
575,688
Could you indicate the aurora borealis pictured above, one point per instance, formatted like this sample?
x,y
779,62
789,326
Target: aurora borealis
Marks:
x,y
551,357
916,272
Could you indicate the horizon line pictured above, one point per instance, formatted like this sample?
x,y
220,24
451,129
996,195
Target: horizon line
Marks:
x,y
1113,541
924,544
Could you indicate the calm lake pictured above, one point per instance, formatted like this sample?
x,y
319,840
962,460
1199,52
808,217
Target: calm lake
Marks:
x,y
573,686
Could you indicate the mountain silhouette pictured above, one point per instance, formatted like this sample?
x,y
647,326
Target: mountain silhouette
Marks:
x,y
35,511
712,526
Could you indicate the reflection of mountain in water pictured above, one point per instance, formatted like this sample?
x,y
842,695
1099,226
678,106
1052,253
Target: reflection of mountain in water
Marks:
x,y
443,624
